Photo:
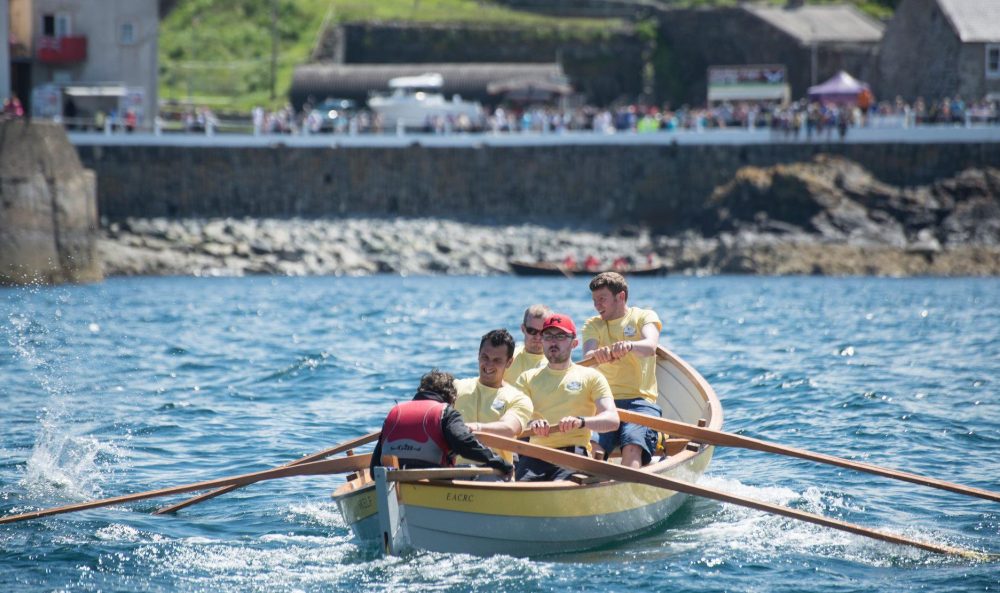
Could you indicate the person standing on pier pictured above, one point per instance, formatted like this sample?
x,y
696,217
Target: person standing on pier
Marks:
x,y
623,341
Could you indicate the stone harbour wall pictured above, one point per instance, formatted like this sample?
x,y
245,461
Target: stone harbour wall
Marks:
x,y
664,188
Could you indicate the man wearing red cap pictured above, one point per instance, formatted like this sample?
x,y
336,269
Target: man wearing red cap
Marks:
x,y
623,340
576,399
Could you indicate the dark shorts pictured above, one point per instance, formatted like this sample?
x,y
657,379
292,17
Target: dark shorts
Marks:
x,y
629,433
530,469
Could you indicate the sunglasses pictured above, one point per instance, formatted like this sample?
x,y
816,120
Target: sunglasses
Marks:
x,y
554,337
532,331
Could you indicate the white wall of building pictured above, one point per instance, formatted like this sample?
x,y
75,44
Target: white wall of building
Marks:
x,y
122,44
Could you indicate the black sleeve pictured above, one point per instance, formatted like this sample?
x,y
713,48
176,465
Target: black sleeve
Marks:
x,y
376,457
464,443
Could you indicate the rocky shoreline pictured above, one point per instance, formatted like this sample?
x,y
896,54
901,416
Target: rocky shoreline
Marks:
x,y
828,216
431,247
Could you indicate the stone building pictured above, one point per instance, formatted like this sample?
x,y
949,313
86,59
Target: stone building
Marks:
x,y
75,57
813,42
941,48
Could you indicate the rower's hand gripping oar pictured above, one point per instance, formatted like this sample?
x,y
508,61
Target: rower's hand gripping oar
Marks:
x,y
626,474
726,439
315,468
340,448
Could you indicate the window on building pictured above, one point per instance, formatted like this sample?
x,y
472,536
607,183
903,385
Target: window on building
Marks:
x,y
126,33
993,61
56,25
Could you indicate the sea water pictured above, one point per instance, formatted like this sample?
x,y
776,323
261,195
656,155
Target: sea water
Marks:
x,y
137,384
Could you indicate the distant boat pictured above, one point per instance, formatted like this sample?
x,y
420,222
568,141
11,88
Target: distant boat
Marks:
x,y
417,101
523,268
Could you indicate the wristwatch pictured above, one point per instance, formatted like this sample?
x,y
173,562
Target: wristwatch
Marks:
x,y
583,422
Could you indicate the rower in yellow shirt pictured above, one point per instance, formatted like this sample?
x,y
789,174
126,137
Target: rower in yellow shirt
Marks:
x,y
485,402
623,340
529,355
575,398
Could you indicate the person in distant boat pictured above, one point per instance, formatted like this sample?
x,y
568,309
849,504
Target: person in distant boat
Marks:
x,y
592,264
488,404
623,340
530,354
620,264
577,399
428,432
569,262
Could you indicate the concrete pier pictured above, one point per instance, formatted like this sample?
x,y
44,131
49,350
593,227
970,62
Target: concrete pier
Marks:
x,y
48,207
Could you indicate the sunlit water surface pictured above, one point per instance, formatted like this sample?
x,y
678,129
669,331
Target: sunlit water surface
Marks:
x,y
139,384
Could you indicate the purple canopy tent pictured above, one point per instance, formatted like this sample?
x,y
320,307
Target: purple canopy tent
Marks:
x,y
842,88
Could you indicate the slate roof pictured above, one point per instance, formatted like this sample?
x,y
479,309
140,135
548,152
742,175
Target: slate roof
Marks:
x,y
975,21
824,23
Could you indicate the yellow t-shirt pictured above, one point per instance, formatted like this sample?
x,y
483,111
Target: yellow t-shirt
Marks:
x,y
523,361
478,403
631,376
557,394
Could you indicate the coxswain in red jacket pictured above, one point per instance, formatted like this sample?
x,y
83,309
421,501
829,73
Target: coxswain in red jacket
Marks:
x,y
428,432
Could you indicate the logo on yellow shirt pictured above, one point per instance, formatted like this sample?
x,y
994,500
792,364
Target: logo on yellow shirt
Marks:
x,y
629,331
497,405
574,386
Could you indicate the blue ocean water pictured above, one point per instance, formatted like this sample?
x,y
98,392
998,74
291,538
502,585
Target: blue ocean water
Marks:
x,y
136,384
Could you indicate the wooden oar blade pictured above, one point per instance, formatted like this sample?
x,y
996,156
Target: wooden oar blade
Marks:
x,y
340,448
726,439
314,468
625,474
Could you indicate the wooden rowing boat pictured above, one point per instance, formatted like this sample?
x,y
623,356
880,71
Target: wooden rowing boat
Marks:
x,y
526,519
523,268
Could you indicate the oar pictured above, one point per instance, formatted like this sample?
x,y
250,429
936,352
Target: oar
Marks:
x,y
726,439
626,474
315,468
345,446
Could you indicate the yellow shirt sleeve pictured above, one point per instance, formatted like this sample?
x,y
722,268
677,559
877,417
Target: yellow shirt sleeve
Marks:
x,y
592,331
517,404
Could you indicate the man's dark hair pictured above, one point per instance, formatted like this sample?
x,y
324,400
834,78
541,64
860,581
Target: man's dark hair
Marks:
x,y
499,337
613,281
441,383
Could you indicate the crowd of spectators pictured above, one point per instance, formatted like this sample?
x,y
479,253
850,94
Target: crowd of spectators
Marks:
x,y
797,119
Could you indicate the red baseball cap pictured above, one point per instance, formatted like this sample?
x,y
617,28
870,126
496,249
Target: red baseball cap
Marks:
x,y
560,321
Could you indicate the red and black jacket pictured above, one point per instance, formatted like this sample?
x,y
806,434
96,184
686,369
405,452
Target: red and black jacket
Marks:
x,y
427,432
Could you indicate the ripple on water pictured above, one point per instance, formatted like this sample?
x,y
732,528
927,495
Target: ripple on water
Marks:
x,y
188,379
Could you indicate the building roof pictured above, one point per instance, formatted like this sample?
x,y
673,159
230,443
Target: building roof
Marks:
x,y
824,23
975,21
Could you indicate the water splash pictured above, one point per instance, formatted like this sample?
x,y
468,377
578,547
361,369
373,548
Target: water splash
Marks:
x,y
64,462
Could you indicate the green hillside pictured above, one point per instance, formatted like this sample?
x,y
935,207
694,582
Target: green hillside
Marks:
x,y
219,52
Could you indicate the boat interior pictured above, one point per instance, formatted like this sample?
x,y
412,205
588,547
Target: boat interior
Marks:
x,y
685,396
